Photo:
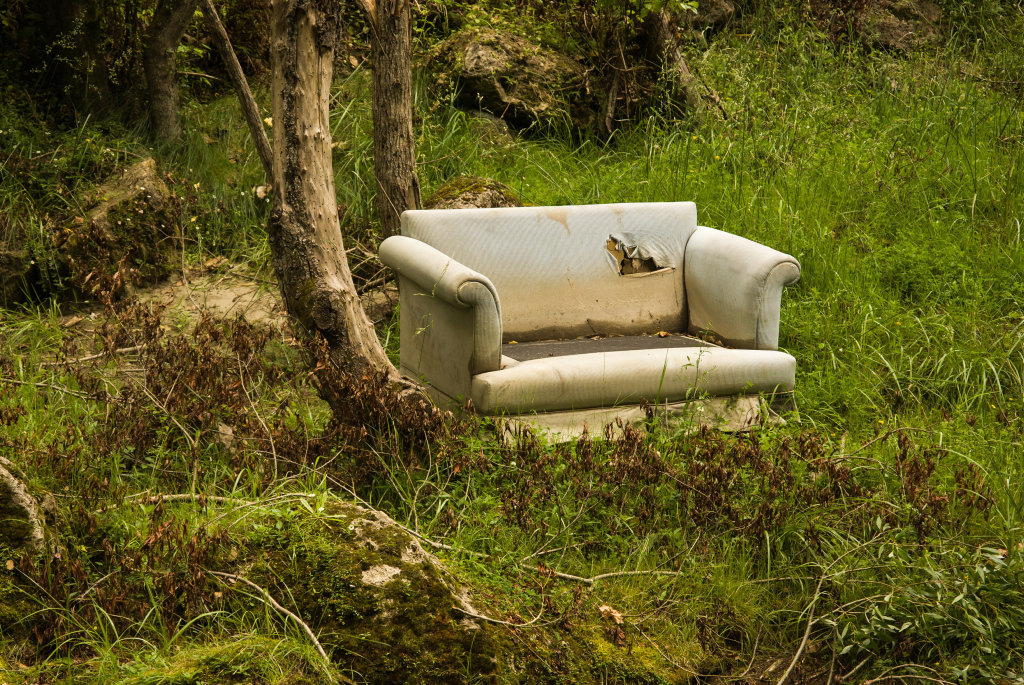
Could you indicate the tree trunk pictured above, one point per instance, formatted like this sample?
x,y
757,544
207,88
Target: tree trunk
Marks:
x,y
304,232
159,61
663,47
245,98
394,157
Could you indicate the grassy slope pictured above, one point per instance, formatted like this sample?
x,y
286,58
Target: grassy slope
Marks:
x,y
895,180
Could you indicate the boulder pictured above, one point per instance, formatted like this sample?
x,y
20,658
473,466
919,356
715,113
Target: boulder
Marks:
x,y
384,606
127,238
899,25
465,192
22,528
710,14
512,78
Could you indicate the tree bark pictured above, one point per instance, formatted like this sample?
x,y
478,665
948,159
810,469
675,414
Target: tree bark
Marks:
x,y
304,232
159,61
663,47
245,98
394,157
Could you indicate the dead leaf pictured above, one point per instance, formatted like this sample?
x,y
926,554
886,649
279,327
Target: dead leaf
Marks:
x,y
208,140
261,192
218,595
9,565
663,334
226,435
72,321
214,262
353,61
79,220
607,612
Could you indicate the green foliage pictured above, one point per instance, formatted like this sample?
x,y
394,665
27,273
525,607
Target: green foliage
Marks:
x,y
897,182
943,606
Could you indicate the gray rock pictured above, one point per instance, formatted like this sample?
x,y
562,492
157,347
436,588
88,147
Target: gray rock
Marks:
x,y
900,25
21,521
464,192
511,78
127,238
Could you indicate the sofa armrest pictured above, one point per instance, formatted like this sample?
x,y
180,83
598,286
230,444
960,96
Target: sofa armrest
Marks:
x,y
734,288
439,277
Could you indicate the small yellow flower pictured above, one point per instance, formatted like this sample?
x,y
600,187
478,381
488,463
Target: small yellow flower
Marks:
x,y
717,157
881,421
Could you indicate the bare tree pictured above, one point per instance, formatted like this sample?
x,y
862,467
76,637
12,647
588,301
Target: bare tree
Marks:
x,y
305,234
159,61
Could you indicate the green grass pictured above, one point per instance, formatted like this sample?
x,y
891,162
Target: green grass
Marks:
x,y
896,181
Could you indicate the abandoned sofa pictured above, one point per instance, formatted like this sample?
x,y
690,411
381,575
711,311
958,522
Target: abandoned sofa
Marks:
x,y
568,311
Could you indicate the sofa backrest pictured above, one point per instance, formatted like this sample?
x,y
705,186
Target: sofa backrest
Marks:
x,y
563,272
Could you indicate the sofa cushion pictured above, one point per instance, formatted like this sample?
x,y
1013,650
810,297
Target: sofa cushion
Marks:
x,y
554,267
616,378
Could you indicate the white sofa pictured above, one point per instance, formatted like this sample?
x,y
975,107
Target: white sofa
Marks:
x,y
556,311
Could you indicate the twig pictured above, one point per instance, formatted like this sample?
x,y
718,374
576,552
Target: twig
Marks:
x,y
883,436
906,675
270,436
856,668
503,623
196,73
753,655
368,285
95,585
807,632
153,499
58,388
272,602
615,574
79,360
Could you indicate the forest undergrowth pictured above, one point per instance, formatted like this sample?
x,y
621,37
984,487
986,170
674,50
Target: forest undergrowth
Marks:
x,y
878,539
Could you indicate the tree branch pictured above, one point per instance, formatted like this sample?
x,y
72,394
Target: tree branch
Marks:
x,y
249,108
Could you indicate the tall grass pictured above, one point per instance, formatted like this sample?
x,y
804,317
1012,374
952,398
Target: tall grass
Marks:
x,y
894,179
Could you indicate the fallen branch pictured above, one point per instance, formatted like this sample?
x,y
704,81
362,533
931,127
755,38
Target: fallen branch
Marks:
x,y
58,388
277,607
79,360
503,623
245,98
153,499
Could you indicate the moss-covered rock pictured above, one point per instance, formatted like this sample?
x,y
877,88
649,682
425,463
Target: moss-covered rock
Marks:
x,y
463,192
899,24
381,605
128,238
21,522
388,612
514,79
22,532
